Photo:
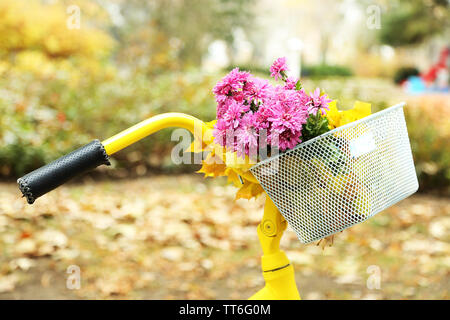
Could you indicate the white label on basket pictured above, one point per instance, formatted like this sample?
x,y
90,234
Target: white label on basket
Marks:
x,y
362,145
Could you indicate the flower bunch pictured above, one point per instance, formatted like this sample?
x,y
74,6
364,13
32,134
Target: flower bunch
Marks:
x,y
252,113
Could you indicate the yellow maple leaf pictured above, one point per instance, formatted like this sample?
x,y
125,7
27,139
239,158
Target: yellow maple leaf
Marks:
x,y
233,177
360,110
220,162
249,190
203,143
333,115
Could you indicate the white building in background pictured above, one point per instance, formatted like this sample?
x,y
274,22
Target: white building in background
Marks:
x,y
315,31
308,30
216,58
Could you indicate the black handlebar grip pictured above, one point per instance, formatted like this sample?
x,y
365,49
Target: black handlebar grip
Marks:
x,y
45,179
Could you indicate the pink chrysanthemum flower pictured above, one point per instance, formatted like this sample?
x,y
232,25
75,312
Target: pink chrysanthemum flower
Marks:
x,y
256,90
262,116
291,83
230,84
222,107
286,139
318,102
233,114
220,132
303,98
247,136
287,117
286,120
279,68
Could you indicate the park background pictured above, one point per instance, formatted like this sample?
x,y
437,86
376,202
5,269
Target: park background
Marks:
x,y
72,71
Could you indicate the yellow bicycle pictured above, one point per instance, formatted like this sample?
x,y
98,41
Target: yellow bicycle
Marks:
x,y
277,270
321,187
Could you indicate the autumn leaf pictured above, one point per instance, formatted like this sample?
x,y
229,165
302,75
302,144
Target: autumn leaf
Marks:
x,y
360,110
333,115
249,190
220,162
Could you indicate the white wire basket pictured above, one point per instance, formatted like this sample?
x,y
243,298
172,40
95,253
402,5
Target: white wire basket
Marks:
x,y
342,177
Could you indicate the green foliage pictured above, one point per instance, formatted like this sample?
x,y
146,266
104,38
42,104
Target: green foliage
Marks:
x,y
22,28
325,70
409,22
404,73
184,28
255,69
61,89
314,126
42,121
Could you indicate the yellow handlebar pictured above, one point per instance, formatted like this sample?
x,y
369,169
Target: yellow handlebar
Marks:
x,y
151,125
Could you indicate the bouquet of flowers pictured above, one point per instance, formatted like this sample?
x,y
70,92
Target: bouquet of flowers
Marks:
x,y
324,169
256,119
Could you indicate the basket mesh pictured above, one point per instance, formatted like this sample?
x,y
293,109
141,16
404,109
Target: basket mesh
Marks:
x,y
343,177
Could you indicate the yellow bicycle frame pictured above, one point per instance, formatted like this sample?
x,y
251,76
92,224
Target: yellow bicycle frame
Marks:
x,y
277,270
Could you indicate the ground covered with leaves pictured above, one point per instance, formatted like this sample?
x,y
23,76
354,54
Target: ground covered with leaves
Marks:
x,y
172,237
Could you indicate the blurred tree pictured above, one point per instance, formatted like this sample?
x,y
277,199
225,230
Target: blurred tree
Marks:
x,y
167,34
45,66
35,38
409,22
23,27
62,87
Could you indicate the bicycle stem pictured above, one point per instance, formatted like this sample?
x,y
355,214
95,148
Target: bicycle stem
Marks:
x,y
277,270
